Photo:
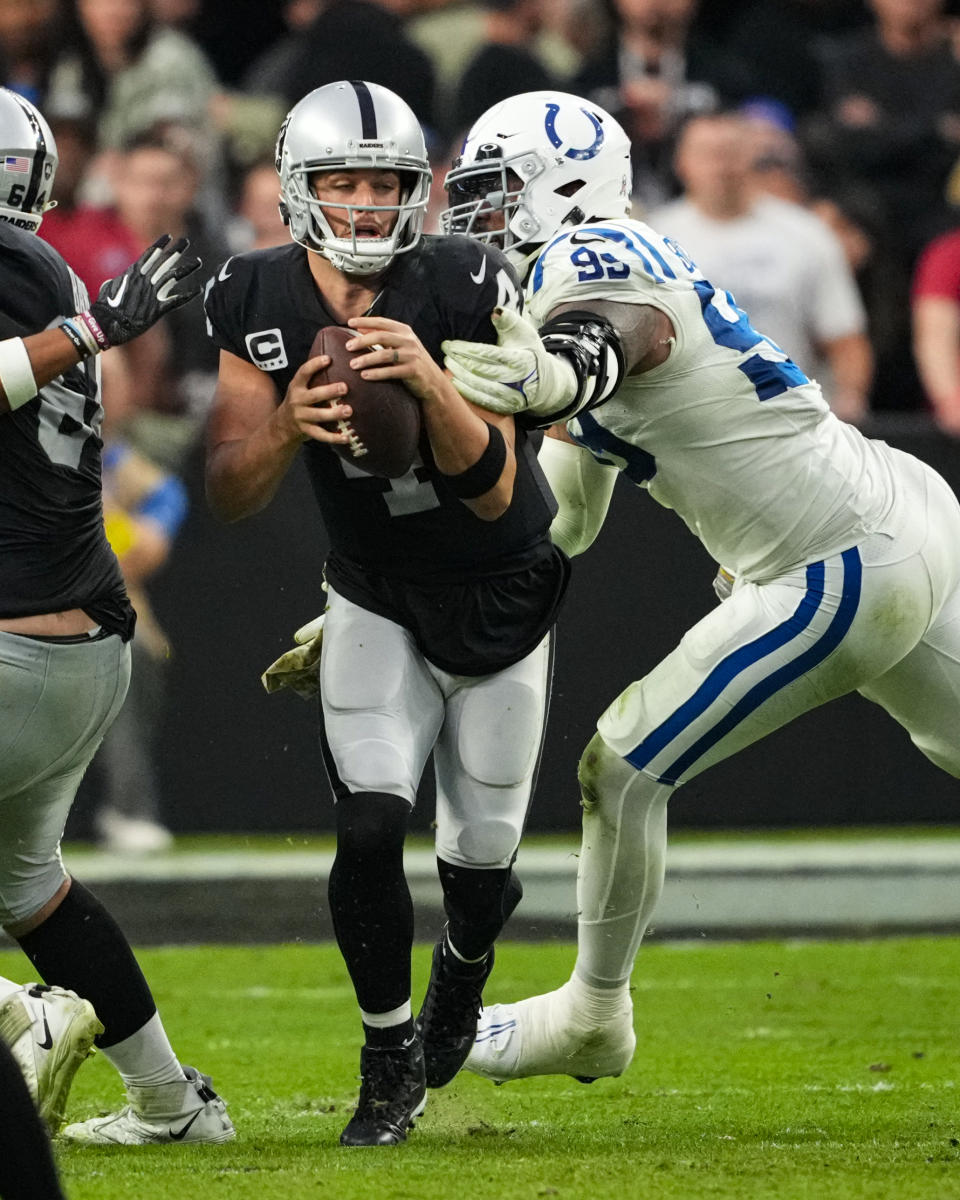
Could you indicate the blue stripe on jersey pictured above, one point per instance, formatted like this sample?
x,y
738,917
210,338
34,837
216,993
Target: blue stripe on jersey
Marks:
x,y
745,657
770,377
627,238
638,465
538,266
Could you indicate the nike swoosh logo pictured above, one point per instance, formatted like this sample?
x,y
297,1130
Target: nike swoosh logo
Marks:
x,y
478,278
224,273
179,1134
579,239
114,301
47,1043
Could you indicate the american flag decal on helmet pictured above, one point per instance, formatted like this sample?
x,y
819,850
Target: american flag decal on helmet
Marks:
x,y
16,163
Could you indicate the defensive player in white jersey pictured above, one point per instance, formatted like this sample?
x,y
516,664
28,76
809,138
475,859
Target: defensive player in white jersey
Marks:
x,y
845,553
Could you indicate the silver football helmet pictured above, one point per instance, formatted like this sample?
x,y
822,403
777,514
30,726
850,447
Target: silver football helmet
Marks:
x,y
28,162
532,164
350,125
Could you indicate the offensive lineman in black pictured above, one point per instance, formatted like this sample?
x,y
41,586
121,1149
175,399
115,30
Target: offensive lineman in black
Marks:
x,y
443,585
65,627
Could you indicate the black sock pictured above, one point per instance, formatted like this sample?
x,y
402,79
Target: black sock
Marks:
x,y
369,899
27,1171
81,947
478,903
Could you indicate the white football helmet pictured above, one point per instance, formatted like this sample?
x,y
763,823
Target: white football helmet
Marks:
x,y
351,125
28,162
543,160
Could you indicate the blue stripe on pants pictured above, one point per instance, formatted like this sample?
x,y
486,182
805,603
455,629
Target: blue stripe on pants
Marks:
x,y
746,656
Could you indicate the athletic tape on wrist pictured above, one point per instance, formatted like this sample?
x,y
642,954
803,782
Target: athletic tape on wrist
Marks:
x,y
485,472
16,373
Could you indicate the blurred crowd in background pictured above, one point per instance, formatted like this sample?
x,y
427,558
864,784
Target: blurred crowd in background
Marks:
x,y
805,152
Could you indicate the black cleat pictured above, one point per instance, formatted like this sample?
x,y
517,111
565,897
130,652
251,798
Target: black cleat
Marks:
x,y
448,1019
393,1093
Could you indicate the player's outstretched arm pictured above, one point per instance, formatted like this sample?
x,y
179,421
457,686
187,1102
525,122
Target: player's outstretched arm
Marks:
x,y
582,486
576,360
126,307
517,374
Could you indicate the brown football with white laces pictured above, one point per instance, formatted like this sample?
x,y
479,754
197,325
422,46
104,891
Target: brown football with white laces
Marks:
x,y
384,428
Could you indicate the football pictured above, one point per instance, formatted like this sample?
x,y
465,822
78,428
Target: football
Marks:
x,y
385,426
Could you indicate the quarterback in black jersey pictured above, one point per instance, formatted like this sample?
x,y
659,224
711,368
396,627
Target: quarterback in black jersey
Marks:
x,y
65,629
443,585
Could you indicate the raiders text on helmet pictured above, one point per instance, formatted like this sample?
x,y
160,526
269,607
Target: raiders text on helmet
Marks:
x,y
544,160
348,126
28,162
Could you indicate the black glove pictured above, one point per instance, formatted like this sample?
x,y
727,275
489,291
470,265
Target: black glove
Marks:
x,y
128,305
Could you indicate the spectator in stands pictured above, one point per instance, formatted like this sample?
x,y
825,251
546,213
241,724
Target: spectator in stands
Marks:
x,y
128,73
652,73
28,30
178,14
892,117
777,164
269,72
759,38
157,186
504,64
891,126
354,39
782,264
144,507
93,240
258,224
936,328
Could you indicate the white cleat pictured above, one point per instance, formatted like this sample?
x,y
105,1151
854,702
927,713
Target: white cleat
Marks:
x,y
554,1034
50,1032
190,1111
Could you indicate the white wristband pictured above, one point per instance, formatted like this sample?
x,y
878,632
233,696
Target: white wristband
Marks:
x,y
16,373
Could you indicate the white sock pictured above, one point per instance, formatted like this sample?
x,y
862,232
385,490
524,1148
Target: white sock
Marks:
x,y
597,1004
384,1020
621,868
146,1058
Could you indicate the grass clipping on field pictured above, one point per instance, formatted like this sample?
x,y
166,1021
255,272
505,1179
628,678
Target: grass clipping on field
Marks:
x,y
795,1069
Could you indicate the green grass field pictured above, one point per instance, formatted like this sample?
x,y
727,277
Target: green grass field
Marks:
x,y
788,1070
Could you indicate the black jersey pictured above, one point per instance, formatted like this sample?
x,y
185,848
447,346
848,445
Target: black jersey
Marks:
x,y
265,307
54,554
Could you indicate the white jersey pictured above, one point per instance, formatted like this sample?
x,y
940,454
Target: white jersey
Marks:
x,y
728,431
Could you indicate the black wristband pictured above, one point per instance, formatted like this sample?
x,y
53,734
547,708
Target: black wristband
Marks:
x,y
485,472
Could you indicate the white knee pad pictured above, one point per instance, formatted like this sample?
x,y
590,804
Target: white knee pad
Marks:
x,y
486,758
498,733
381,708
487,843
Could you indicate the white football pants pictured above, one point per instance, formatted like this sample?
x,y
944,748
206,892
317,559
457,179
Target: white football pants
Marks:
x,y
882,618
385,708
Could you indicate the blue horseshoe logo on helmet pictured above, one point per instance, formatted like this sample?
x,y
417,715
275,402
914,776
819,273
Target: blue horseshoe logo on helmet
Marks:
x,y
551,127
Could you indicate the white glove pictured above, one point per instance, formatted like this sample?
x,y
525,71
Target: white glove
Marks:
x,y
515,375
299,668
